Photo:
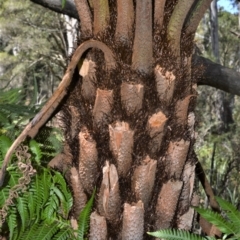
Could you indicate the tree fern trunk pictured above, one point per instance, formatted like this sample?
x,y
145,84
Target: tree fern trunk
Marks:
x,y
129,129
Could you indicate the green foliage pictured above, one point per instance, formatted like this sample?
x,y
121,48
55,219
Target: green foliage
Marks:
x,y
174,234
13,112
218,113
32,49
230,227
5,144
35,148
42,211
84,218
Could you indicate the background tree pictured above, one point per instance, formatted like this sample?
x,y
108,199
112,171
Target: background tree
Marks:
x,y
217,149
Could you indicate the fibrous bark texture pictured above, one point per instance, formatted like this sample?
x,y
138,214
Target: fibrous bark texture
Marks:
x,y
132,109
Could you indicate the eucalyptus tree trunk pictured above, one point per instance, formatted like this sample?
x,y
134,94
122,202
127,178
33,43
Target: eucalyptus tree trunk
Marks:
x,y
129,116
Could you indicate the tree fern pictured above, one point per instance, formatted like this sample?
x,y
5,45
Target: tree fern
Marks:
x,y
84,218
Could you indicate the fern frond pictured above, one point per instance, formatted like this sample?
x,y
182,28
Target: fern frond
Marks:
x,y
35,148
217,220
5,144
46,231
22,207
84,218
4,193
12,221
64,234
63,193
50,209
30,233
175,234
232,213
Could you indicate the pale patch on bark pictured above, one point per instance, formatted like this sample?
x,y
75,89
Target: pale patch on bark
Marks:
x,y
181,110
191,124
167,203
88,72
186,220
88,157
143,180
132,97
121,145
176,158
155,127
133,221
109,201
74,225
165,82
103,106
79,197
98,227
188,184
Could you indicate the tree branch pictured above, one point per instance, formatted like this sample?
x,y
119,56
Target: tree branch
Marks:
x,y
216,75
56,6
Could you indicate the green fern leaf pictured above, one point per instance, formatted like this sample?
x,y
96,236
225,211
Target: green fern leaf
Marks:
x,y
84,218
38,198
63,193
65,230
12,221
46,231
232,213
217,220
50,209
22,207
4,193
30,233
5,144
35,148
174,234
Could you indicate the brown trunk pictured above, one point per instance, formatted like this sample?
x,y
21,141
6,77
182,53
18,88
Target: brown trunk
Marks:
x,y
129,129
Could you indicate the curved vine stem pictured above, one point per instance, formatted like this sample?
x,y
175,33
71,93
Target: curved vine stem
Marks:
x,y
48,109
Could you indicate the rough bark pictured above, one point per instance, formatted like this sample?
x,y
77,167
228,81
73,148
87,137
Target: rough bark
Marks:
x,y
213,74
